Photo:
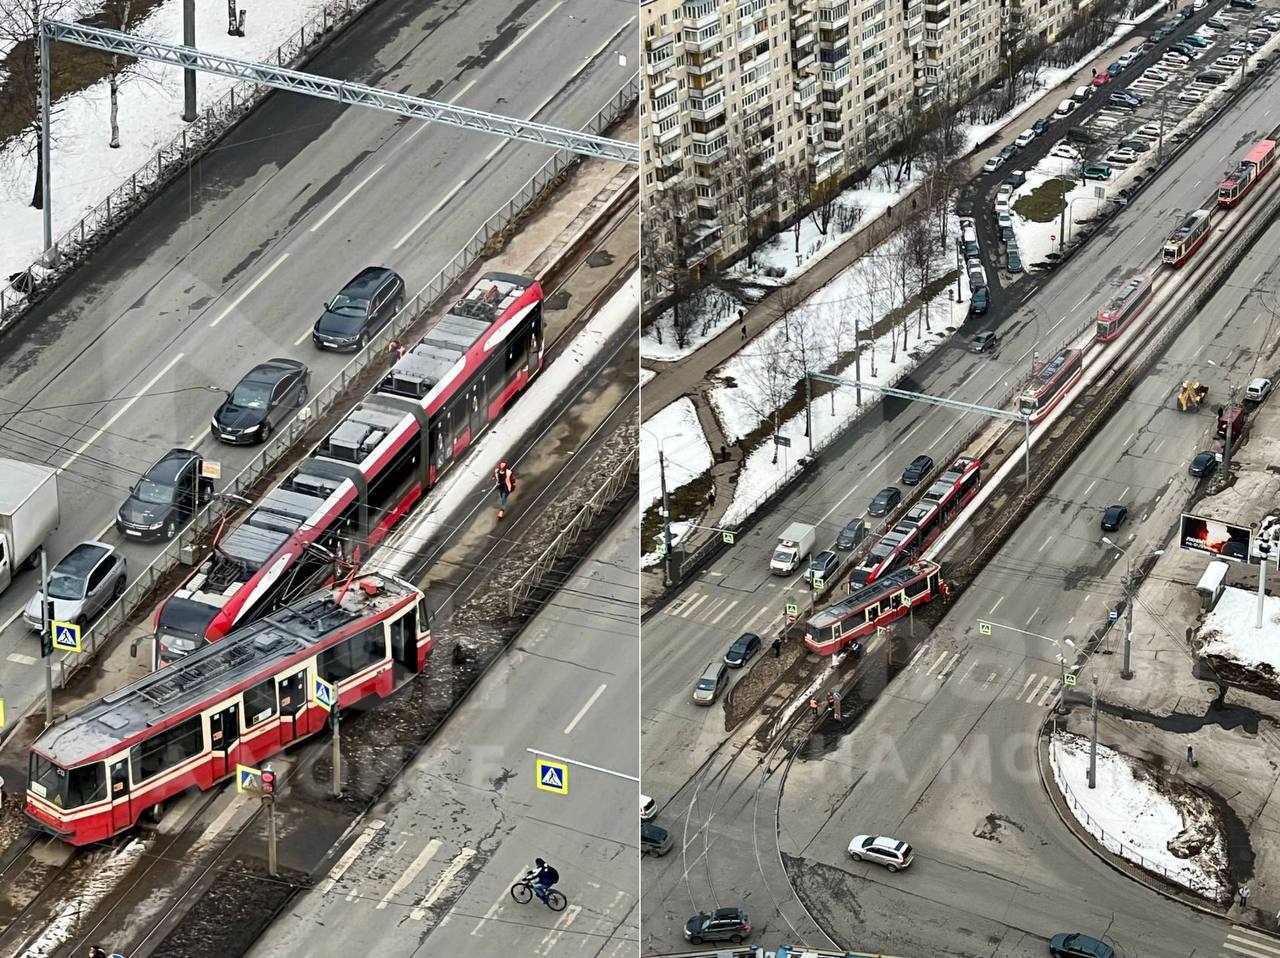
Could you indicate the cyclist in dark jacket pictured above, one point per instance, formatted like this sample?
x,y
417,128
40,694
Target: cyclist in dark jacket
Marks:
x,y
542,876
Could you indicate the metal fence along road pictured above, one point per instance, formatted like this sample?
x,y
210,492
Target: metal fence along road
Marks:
x,y
424,304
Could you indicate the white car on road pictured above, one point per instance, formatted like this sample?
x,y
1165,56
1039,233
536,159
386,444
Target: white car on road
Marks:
x,y
889,852
1258,390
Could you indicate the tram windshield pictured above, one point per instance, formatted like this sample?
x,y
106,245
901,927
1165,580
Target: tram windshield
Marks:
x,y
68,789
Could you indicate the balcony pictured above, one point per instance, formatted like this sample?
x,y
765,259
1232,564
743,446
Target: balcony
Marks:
x,y
706,106
806,92
703,243
834,79
827,164
704,66
665,136
671,109
914,35
699,15
933,39
802,20
702,39
802,39
806,64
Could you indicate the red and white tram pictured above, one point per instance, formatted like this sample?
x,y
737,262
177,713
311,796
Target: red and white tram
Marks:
x,y
859,614
370,470
1121,308
237,701
1050,383
926,518
1186,239
1247,172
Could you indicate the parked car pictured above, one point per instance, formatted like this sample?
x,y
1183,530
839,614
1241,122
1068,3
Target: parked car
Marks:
x,y
889,852
1191,96
654,839
1173,56
1230,60
1065,151
83,583
1009,152
822,568
711,683
1127,59
1025,137
984,343
964,208
723,924
1189,12
1258,389
1080,134
1016,179
1122,154
917,470
1243,47
1126,99
884,501
166,496
266,395
1197,41
1070,945
648,808
1113,518
1005,222
854,531
1242,4
1203,463
1040,126
980,301
1101,79
1149,130
1013,261
1114,69
743,649
1137,144
362,308
1155,73
1096,171
1218,23
993,164
1211,78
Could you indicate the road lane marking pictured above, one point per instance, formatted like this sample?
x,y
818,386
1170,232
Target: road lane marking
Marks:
x,y
723,612
410,873
552,937
1033,615
972,665
1124,495
941,657
583,711
306,334
528,30
989,679
343,202
1089,486
19,659
497,902
432,212
996,606
459,862
1030,678
1044,544
949,666
685,612
12,619
352,853
120,412
252,286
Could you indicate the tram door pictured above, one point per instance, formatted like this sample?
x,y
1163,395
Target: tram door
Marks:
x,y
293,697
478,411
121,816
404,646
224,738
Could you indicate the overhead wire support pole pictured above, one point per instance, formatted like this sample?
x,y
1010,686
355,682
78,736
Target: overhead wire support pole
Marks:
x,y
46,201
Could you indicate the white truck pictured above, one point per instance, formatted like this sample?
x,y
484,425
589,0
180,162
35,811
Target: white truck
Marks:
x,y
794,545
28,514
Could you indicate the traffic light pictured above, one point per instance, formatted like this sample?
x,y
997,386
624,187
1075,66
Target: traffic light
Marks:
x,y
268,781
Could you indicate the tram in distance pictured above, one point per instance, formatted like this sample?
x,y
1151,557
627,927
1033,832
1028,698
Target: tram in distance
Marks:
x,y
1186,239
1121,308
1050,383
1247,172
871,606
240,700
926,518
370,470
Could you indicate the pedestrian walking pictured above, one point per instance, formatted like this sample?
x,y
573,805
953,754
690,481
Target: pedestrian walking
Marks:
x,y
743,327
724,453
395,350
813,708
1191,755
711,497
777,647
1244,896
504,480
833,701
1095,70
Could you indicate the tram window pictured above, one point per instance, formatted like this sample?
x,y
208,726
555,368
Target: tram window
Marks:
x,y
518,350
353,655
86,784
166,749
919,587
494,377
384,490
259,703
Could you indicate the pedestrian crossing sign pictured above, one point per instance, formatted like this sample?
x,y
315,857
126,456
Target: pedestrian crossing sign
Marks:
x,y
818,583
984,628
66,636
248,779
727,537
324,694
1068,678
552,776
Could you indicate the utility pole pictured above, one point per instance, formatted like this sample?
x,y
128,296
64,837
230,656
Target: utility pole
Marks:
x,y
189,75
1062,215
1231,402
666,520
46,635
959,269
1093,743
1130,592
808,411
1026,457
337,750
857,363
46,205
1264,552
1160,138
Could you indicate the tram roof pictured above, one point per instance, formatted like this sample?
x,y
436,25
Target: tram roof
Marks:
x,y
200,678
885,585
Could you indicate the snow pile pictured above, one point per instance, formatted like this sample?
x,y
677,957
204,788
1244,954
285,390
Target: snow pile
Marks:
x,y
676,431
1228,631
103,871
1165,827
714,312
653,556
1037,240
85,169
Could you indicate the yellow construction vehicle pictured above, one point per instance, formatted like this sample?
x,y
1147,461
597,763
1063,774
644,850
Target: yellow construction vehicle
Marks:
x,y
1191,395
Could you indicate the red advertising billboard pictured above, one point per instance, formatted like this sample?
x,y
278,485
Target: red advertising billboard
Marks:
x,y
1213,536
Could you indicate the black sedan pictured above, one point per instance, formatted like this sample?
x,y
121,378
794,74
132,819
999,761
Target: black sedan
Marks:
x,y
1114,518
743,648
885,501
166,497
363,307
263,399
1203,463
854,531
917,471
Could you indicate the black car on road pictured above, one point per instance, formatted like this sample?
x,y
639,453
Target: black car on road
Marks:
x,y
984,343
744,647
165,497
723,924
262,400
980,302
1114,518
917,471
1203,463
362,308
884,501
854,531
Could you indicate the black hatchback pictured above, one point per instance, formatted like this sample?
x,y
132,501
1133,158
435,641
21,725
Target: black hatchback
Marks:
x,y
917,471
743,648
363,307
262,400
884,501
1203,463
166,497
723,924
1114,518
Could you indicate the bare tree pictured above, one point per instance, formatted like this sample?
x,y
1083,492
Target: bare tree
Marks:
x,y
920,250
797,184
825,198
771,378
878,302
674,268
122,15
787,303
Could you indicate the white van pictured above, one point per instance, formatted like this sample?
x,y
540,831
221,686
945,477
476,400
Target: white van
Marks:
x,y
1065,107
1081,94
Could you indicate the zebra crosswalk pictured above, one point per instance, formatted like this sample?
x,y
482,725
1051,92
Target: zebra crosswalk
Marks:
x,y
1251,943
733,613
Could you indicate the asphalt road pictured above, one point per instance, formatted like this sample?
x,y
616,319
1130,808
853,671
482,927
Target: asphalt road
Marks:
x,y
737,593
232,263
465,820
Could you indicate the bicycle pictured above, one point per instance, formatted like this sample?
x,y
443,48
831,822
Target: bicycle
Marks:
x,y
522,892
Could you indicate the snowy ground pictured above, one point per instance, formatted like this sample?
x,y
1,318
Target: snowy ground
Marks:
x,y
1171,827
717,311
1036,240
1229,632
652,556
687,455
84,168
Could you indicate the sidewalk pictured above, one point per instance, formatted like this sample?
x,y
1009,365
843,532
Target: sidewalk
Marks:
x,y
680,378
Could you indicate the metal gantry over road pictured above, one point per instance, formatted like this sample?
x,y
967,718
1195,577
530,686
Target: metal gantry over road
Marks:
x,y
295,81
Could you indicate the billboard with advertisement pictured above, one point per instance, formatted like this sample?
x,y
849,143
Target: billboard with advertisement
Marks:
x,y
1215,537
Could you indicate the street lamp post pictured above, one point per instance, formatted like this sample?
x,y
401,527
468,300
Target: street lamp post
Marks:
x,y
1130,594
1231,401
667,578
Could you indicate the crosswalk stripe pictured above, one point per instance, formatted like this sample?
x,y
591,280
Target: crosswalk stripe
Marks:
x,y
941,657
989,679
723,612
1049,694
1258,946
919,652
950,665
687,610
750,623
1039,688
1030,678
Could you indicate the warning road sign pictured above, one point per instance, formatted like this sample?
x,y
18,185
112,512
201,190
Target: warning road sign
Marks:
x,y
1069,679
248,779
727,537
324,694
552,776
66,636
984,628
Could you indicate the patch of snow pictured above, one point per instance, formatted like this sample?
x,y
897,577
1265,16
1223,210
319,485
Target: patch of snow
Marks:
x,y
676,431
84,168
1132,816
1229,630
678,532
103,872
646,375
1037,240
716,312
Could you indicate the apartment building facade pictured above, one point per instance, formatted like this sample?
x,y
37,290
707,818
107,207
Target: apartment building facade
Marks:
x,y
742,98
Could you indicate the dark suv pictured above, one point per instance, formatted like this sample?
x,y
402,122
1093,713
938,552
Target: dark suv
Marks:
x,y
166,497
724,924
917,470
362,308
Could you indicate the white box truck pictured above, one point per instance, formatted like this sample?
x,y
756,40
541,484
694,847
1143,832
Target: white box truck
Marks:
x,y
794,545
28,514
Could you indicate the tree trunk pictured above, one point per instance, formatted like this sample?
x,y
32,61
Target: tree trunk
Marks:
x,y
37,195
113,85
